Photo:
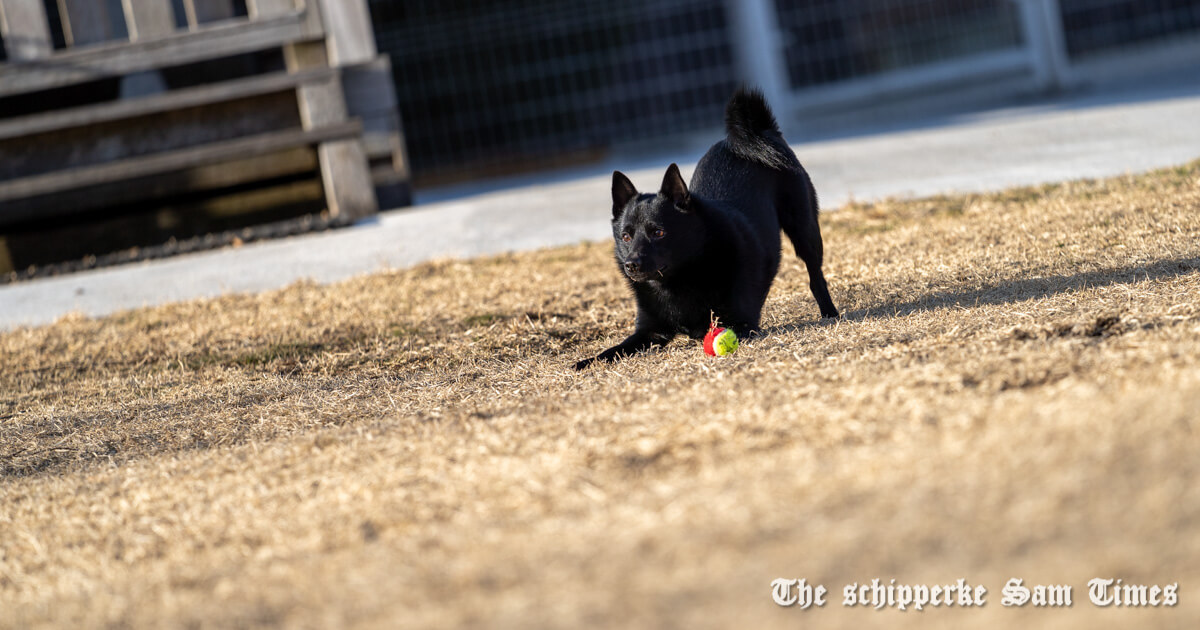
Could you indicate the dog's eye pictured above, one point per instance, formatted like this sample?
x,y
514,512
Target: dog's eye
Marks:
x,y
658,233
626,237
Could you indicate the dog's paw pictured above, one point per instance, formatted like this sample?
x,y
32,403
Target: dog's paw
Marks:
x,y
582,365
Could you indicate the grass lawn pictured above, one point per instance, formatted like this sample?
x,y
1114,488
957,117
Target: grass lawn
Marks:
x,y
1013,391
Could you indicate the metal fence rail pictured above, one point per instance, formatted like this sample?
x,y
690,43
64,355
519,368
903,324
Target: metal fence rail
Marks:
x,y
1095,26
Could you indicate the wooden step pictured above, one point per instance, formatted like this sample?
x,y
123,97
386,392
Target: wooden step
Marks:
x,y
168,101
161,163
221,39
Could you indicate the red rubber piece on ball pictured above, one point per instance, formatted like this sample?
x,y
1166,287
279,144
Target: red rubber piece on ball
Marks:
x,y
713,331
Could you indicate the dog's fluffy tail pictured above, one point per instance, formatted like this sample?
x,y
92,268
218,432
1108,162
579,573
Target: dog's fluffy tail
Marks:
x,y
753,133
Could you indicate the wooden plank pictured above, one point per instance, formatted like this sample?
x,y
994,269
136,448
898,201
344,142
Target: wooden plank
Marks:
x,y
348,29
147,135
298,160
25,29
179,99
105,60
305,55
148,19
172,161
269,8
201,179
88,22
307,192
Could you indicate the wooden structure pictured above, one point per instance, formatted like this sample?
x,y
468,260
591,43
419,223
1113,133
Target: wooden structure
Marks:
x,y
119,102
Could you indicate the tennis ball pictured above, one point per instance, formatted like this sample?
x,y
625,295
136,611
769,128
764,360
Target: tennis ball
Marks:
x,y
720,342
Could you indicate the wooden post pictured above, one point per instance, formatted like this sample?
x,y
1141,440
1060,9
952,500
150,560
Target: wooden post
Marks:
x,y
148,19
322,103
348,30
269,8
345,171
349,192
25,29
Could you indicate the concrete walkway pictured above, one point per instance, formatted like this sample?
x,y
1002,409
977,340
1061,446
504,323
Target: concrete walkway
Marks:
x,y
1084,136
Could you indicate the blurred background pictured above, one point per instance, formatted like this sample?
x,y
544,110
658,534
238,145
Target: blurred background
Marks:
x,y
512,84
149,127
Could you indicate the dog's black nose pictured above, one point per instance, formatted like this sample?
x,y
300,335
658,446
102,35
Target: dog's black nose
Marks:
x,y
633,265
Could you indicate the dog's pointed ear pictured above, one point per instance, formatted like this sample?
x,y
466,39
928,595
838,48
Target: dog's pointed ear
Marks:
x,y
675,189
622,191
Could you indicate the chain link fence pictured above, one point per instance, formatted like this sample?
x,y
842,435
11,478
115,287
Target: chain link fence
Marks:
x,y
827,41
490,87
507,84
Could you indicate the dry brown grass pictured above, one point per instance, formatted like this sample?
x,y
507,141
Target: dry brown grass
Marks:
x,y
1013,392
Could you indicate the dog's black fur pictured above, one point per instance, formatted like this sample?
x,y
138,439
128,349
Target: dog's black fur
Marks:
x,y
712,249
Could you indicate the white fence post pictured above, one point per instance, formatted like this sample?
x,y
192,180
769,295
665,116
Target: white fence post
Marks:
x,y
758,49
1042,22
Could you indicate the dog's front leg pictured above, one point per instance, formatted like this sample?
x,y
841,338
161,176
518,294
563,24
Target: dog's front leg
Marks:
x,y
639,341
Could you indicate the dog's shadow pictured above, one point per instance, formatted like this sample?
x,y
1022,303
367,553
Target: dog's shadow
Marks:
x,y
1011,292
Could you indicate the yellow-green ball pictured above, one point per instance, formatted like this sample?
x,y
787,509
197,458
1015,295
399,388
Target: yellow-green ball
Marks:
x,y
720,342
725,343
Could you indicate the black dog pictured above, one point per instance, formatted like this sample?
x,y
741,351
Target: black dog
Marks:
x,y
713,250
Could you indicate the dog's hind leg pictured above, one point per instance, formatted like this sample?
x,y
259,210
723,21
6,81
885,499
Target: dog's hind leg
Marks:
x,y
797,206
810,249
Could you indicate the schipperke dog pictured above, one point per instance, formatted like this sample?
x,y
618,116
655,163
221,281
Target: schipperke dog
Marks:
x,y
709,251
